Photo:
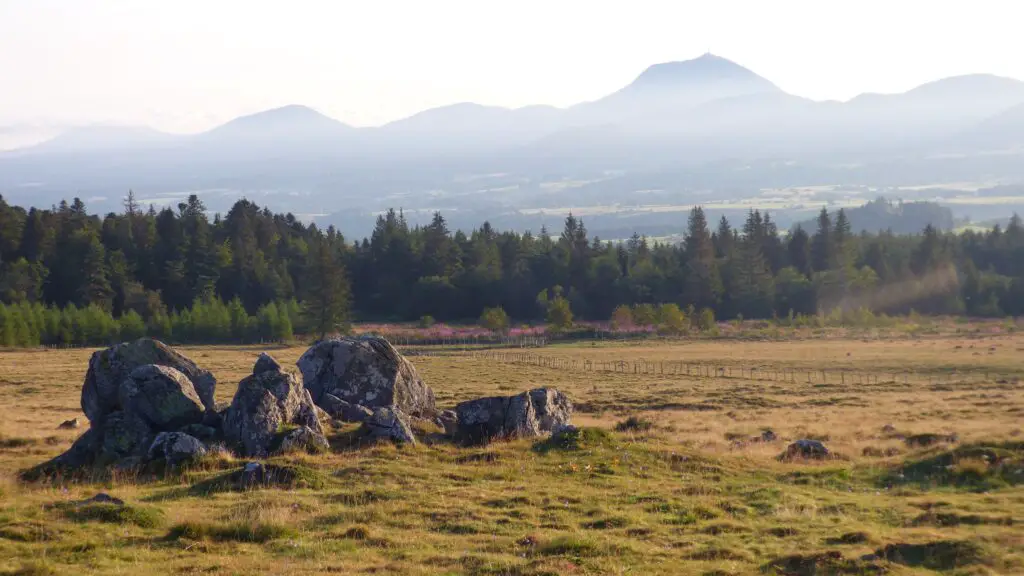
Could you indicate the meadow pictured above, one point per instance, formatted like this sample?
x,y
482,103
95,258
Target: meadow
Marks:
x,y
668,474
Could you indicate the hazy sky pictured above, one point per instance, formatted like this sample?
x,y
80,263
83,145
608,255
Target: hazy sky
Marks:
x,y
185,65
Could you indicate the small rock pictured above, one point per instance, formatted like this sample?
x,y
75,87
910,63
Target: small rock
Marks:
x,y
176,448
304,439
252,474
564,429
768,436
389,423
69,424
201,431
448,420
344,411
888,429
101,498
266,363
809,449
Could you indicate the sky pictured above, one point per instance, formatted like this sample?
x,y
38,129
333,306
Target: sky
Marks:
x,y
188,65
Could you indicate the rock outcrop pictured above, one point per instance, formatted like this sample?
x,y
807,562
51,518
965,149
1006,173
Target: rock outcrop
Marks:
x,y
109,368
266,406
506,417
365,372
162,411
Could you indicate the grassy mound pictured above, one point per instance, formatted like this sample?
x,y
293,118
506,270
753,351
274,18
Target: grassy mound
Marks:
x,y
984,466
576,439
830,562
286,476
259,533
941,555
141,516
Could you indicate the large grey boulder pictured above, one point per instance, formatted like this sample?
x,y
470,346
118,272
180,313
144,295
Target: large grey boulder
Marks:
x,y
264,406
506,417
109,368
389,423
365,372
553,409
176,449
161,396
497,418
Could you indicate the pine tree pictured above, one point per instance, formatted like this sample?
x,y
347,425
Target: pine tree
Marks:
x,y
327,295
703,281
95,286
822,245
798,250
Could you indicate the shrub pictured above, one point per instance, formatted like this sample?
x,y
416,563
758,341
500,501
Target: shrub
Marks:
x,y
645,315
494,319
671,319
622,317
426,321
634,424
706,321
559,314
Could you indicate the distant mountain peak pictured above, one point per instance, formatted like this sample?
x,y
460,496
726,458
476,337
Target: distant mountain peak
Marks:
x,y
285,114
291,122
704,69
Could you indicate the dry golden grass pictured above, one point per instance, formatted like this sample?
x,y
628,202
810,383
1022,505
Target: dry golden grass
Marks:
x,y
691,496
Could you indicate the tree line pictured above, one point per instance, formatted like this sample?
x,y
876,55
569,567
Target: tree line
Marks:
x,y
171,268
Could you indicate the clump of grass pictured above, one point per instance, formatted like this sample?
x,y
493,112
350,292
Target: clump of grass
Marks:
x,y
712,554
575,439
929,439
110,513
947,519
35,568
364,497
831,562
257,533
569,545
635,424
28,532
849,538
940,555
7,442
357,533
724,528
607,523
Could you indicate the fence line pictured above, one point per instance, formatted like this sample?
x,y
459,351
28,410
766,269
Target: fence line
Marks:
x,y
705,370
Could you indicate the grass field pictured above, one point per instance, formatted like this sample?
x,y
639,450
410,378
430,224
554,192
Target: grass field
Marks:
x,y
690,495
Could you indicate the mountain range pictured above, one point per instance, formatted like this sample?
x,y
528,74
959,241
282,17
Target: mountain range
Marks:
x,y
676,122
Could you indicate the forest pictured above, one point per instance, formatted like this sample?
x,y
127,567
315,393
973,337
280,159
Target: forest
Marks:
x,y
70,277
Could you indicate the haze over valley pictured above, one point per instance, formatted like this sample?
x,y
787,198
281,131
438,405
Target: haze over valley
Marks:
x,y
701,131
